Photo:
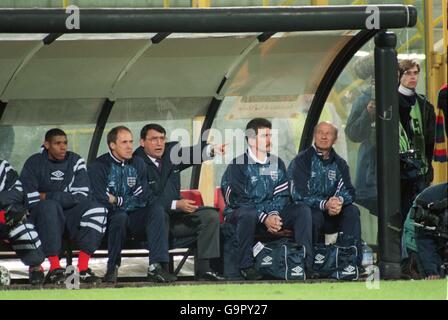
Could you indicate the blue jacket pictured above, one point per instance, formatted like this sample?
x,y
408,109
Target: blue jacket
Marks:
x,y
65,181
314,180
262,186
359,129
11,191
125,180
166,186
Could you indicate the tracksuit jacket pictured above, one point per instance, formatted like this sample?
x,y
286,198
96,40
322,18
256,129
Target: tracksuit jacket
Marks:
x,y
126,180
315,180
249,184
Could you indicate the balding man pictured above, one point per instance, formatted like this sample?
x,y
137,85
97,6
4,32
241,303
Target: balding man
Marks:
x,y
320,179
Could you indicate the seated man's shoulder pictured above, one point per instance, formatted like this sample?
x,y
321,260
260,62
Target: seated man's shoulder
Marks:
x,y
102,160
274,159
73,156
304,155
239,160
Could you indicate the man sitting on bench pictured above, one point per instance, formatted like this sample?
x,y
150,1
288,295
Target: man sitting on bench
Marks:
x,y
185,218
256,190
57,188
119,182
320,178
14,227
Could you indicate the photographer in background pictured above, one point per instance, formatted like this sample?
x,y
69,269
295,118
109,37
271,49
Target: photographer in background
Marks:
x,y
425,251
417,132
361,129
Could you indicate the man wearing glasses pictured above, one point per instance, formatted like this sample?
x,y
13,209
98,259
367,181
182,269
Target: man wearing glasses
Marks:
x,y
164,162
417,132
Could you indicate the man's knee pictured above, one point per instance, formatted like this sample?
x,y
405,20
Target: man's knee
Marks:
x,y
48,208
208,217
317,217
351,212
246,215
47,213
300,212
118,218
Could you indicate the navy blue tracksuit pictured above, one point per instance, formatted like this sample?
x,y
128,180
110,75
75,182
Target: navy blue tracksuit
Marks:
x,y
22,237
315,180
135,211
252,192
67,205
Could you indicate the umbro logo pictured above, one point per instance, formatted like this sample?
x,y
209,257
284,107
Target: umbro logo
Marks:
x,y
297,271
349,270
267,261
57,175
319,259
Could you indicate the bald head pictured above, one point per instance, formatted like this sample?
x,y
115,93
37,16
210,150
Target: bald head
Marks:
x,y
327,125
325,135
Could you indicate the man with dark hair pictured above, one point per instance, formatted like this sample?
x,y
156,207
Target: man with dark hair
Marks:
x,y
57,189
256,190
320,178
417,132
14,225
119,182
185,218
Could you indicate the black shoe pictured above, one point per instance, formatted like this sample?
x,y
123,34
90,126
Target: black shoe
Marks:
x,y
210,276
156,273
88,276
310,275
36,275
251,274
56,276
111,275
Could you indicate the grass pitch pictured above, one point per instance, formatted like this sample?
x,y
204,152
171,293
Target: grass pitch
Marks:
x,y
400,290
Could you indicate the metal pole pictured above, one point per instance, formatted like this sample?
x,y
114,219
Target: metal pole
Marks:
x,y
270,19
387,140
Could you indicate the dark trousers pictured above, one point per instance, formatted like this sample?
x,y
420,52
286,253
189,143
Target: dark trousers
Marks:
x,y
409,190
25,241
202,224
347,221
247,225
146,224
427,247
85,224
202,227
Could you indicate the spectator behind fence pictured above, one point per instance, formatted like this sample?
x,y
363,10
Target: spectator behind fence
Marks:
x,y
417,132
361,129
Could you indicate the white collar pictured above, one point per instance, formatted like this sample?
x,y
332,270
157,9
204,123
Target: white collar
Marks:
x,y
115,158
154,160
254,157
406,91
